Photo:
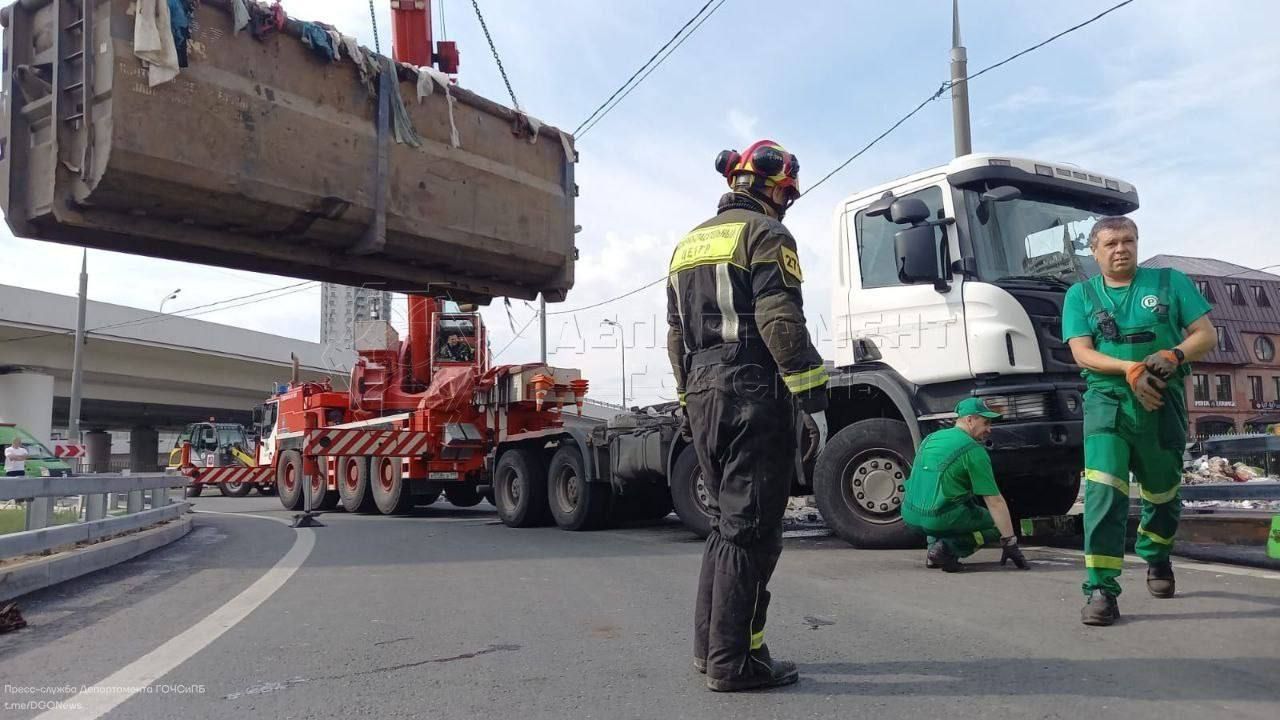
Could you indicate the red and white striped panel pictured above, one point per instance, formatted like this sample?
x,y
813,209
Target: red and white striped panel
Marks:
x,y
359,441
230,474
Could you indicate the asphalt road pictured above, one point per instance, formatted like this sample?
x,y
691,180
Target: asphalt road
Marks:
x,y
449,614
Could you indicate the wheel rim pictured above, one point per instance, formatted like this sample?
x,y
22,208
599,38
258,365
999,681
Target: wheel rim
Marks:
x,y
701,496
568,488
352,482
317,485
873,484
290,477
386,478
234,486
510,488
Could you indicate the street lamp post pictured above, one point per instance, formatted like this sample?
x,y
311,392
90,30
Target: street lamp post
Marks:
x,y
622,337
169,297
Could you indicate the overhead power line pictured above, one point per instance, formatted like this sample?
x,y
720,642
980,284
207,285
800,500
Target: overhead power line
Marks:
x,y
949,84
646,66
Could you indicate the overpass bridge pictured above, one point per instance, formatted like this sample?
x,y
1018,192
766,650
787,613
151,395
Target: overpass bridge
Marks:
x,y
143,371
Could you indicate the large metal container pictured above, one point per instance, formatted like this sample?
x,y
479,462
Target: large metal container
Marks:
x,y
261,156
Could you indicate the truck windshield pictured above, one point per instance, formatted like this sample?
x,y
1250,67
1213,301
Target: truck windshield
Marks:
x,y
1036,237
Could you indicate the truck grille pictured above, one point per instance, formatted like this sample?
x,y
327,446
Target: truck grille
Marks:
x,y
1025,406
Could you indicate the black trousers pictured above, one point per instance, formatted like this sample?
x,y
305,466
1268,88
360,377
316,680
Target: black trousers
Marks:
x,y
745,438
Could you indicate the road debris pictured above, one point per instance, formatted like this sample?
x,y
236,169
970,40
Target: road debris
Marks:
x,y
1207,470
11,619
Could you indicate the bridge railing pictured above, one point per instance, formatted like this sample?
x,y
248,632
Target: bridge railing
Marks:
x,y
39,494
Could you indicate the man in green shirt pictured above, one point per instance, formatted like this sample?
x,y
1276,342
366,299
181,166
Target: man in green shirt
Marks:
x,y
1133,331
951,471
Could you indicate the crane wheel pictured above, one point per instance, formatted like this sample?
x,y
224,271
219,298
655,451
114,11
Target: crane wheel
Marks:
x,y
391,492
353,485
289,480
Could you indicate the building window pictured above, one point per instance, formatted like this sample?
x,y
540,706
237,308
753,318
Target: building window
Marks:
x,y
1276,381
1200,386
1264,348
1233,292
1224,388
1260,296
1224,340
1255,388
1203,287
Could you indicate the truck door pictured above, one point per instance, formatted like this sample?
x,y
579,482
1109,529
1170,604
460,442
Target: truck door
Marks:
x,y
918,329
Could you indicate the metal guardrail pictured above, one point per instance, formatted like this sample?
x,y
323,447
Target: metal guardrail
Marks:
x,y
42,492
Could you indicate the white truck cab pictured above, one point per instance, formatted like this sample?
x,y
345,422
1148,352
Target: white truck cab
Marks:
x,y
949,284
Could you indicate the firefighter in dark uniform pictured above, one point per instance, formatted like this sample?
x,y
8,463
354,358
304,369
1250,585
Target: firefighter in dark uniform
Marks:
x,y
744,368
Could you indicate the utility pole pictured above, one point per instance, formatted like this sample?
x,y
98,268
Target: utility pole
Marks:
x,y
959,86
542,321
77,361
622,344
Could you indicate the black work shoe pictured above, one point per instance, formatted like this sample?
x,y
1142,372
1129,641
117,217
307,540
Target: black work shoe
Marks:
x,y
1160,581
700,664
1101,609
761,673
940,556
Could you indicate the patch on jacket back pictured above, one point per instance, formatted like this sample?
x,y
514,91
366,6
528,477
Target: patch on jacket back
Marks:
x,y
707,246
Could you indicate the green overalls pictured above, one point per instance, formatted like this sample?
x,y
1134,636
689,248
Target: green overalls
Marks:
x,y
1120,435
949,473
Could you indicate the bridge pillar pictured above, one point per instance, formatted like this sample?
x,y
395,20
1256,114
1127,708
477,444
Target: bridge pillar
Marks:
x,y
144,448
26,398
97,451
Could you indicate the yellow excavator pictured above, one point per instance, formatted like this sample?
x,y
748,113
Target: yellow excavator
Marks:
x,y
215,444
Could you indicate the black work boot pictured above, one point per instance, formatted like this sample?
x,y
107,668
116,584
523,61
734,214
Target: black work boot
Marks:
x,y
940,556
1101,609
762,672
1160,581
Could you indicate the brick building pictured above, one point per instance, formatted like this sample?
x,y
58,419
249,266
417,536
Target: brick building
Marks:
x,y
1236,388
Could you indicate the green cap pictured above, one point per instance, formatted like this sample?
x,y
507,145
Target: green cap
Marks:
x,y
975,406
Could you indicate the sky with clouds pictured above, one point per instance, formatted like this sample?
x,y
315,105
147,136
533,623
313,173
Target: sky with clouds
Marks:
x,y
1175,96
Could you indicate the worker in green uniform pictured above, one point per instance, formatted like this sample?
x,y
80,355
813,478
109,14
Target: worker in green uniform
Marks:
x,y
1133,331
951,471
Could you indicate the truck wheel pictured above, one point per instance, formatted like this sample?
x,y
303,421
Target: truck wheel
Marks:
x,y
520,487
235,489
576,504
322,498
463,496
289,480
390,491
194,490
353,485
860,481
689,493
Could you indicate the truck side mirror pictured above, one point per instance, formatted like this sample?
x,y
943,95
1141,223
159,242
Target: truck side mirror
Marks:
x,y
257,416
880,208
908,211
918,255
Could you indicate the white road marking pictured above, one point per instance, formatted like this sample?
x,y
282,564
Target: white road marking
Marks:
x,y
103,696
1180,563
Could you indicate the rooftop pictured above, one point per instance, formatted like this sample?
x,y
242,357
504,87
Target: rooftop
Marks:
x,y
1207,266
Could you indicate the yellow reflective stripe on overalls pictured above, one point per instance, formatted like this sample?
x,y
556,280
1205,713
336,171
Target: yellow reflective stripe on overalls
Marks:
x,y
1104,561
680,396
1161,498
807,380
757,640
977,537
1154,537
1107,479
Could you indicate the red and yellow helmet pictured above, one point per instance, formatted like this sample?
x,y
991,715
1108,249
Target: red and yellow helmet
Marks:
x,y
767,162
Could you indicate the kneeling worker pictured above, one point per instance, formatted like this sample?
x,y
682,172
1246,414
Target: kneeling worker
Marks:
x,y
951,470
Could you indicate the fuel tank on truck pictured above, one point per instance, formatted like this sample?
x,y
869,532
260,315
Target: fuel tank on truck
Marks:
x,y
261,155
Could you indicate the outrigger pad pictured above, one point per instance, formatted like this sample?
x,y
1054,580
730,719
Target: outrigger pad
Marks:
x,y
306,519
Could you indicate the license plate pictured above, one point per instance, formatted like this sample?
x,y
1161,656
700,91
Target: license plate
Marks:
x,y
442,476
